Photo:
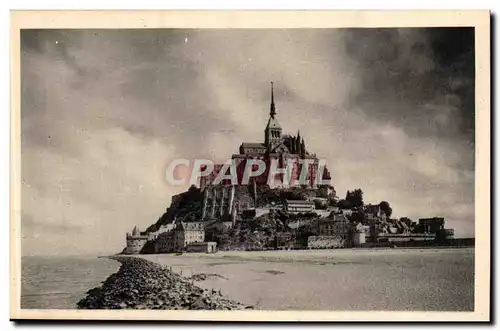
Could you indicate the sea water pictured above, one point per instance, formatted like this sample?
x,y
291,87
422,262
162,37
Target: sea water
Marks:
x,y
60,282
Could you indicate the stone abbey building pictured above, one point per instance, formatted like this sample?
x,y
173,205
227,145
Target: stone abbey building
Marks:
x,y
284,149
226,200
198,218
223,203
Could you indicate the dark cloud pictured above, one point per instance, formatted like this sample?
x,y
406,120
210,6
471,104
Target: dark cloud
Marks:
x,y
422,79
103,112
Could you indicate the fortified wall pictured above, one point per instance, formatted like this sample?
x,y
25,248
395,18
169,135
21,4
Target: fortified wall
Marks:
x,y
223,201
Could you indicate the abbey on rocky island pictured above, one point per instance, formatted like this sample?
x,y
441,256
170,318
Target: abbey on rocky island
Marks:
x,y
284,150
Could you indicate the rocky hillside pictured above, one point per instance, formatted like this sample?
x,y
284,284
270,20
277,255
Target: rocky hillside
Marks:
x,y
250,232
271,230
185,206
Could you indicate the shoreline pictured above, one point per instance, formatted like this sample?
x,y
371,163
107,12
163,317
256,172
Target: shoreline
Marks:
x,y
309,256
346,249
337,279
143,284
297,280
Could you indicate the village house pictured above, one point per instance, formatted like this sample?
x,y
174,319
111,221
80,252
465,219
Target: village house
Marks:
x,y
336,225
374,211
162,229
360,233
179,236
285,240
333,232
204,247
164,242
216,227
298,206
431,225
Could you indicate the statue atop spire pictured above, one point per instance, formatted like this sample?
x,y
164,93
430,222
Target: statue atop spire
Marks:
x,y
273,107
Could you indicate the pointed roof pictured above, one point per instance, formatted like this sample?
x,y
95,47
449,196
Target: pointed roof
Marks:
x,y
273,107
135,231
272,123
253,145
280,148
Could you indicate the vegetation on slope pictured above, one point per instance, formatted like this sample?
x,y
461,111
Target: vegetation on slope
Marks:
x,y
185,206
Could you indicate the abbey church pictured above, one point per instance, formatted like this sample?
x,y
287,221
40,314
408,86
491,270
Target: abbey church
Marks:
x,y
218,207
285,149
256,215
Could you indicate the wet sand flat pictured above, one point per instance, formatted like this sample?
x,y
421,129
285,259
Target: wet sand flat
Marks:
x,y
346,279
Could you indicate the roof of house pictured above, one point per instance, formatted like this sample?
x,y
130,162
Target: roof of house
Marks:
x,y
168,226
339,217
202,243
253,145
164,235
299,202
217,222
193,226
336,218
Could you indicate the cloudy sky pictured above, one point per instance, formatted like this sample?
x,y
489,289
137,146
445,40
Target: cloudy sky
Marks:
x,y
104,111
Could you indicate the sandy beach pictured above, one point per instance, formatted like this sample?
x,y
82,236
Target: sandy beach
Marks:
x,y
380,279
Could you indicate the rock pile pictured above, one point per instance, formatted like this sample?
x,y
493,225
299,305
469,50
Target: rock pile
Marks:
x,y
204,276
141,284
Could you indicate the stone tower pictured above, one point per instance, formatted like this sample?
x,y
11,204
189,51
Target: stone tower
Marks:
x,y
135,242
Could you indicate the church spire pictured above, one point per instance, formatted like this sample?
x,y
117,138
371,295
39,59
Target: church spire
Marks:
x,y
273,128
297,144
273,107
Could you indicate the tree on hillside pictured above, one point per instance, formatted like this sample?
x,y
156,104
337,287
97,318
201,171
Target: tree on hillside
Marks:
x,y
193,189
386,208
355,198
224,238
325,191
304,232
357,216
344,204
332,201
320,204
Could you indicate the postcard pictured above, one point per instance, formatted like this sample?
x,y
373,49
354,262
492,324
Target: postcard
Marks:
x,y
250,165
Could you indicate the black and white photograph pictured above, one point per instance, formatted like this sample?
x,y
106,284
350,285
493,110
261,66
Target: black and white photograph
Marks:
x,y
252,169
